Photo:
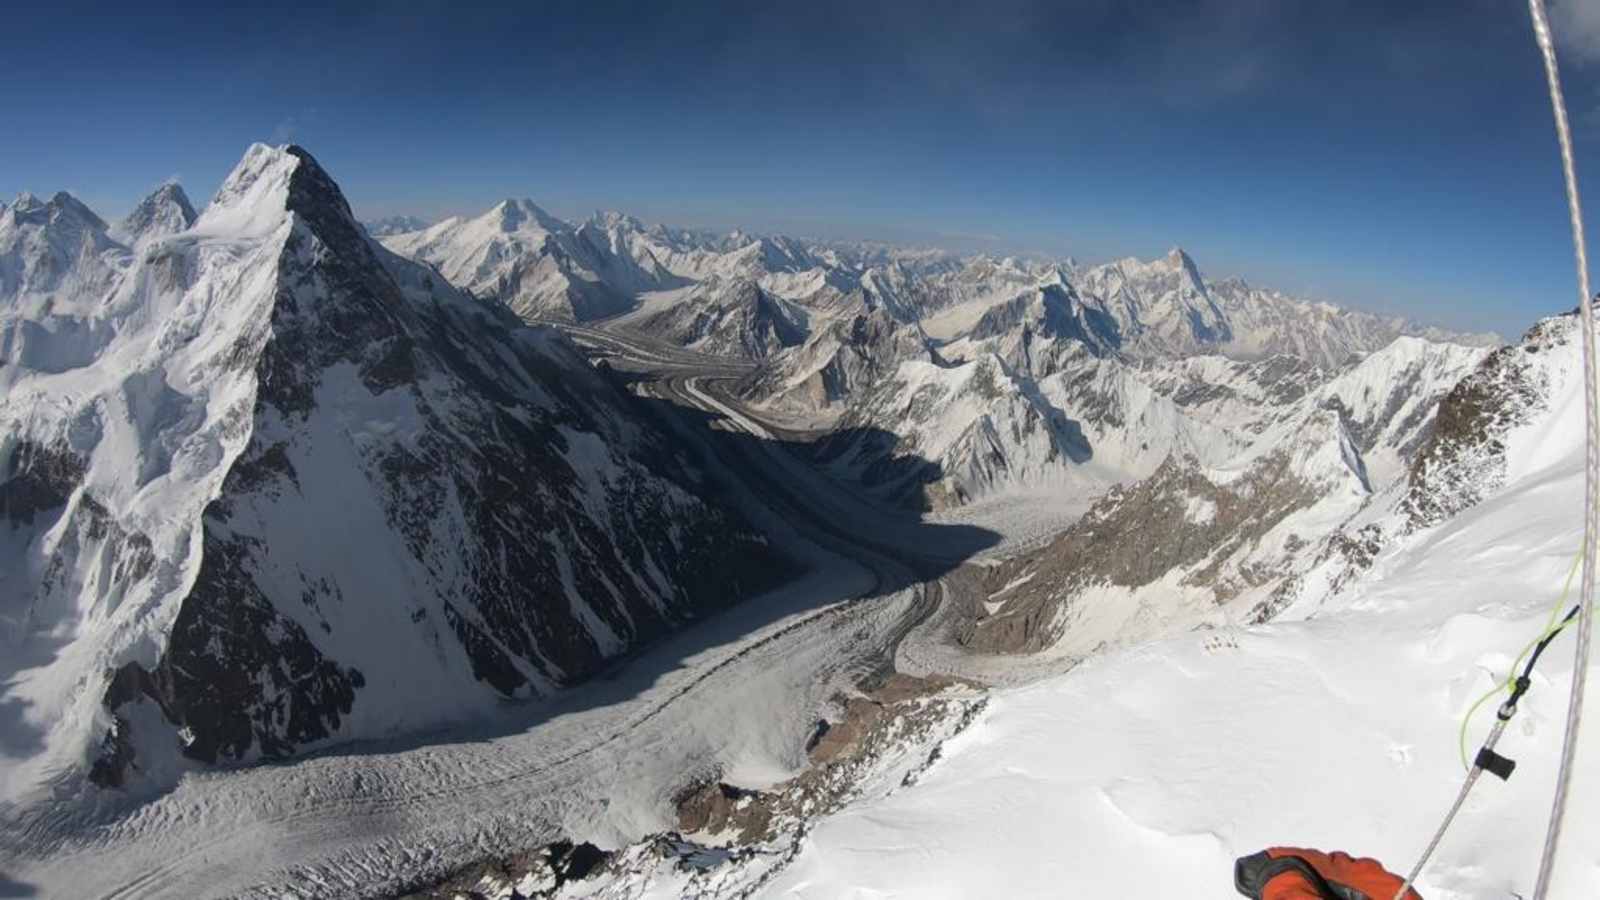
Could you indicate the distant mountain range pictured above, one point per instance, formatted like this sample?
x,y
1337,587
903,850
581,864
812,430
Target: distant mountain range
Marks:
x,y
614,265
394,225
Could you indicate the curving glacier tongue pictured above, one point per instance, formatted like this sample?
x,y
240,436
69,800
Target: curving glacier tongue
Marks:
x,y
277,486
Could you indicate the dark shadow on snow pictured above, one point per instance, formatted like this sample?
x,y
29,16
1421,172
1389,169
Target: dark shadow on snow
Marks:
x,y
779,474
783,472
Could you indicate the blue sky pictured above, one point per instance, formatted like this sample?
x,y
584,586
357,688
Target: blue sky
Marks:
x,y
1391,156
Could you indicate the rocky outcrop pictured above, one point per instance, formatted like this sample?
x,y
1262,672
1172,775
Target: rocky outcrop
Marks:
x,y
1463,458
1166,548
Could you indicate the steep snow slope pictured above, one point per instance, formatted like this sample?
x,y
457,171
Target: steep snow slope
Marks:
x,y
1033,329
1334,726
935,436
950,300
1388,400
1241,394
274,486
962,431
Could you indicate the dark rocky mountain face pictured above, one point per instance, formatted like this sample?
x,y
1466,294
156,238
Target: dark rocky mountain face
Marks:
x,y
1463,458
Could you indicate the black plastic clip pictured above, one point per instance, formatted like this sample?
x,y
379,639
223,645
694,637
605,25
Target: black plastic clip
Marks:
x,y
1509,708
1495,764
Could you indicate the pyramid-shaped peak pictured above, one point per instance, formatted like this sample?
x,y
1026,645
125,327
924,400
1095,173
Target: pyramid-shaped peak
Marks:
x,y
64,206
171,192
271,182
165,211
313,188
522,214
258,183
27,206
315,198
1182,263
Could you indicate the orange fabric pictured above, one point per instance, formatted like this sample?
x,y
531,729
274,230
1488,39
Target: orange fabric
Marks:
x,y
1294,886
1365,875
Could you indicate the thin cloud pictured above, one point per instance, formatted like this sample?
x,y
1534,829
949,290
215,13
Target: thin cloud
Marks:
x,y
284,132
1577,28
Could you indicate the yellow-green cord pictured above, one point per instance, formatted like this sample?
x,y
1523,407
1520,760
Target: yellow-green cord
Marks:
x,y
1511,679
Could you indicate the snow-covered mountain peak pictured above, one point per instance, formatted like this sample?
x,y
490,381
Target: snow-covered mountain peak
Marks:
x,y
55,246
1181,262
254,196
166,211
65,207
610,219
269,184
1173,272
521,214
61,212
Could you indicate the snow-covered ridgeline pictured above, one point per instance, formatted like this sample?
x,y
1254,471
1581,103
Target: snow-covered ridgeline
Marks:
x,y
786,300
981,422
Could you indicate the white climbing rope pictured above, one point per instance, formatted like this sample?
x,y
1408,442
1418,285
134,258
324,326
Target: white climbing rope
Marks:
x,y
1569,745
1461,797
